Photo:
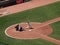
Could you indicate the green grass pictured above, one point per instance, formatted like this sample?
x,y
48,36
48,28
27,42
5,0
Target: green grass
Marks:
x,y
26,42
1,43
56,30
39,14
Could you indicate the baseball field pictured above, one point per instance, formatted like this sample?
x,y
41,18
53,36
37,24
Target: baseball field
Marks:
x,y
39,14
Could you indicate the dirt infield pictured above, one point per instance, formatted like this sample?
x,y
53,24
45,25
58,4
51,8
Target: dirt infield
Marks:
x,y
28,33
24,6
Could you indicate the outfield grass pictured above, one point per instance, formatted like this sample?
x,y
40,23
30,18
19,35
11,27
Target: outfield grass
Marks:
x,y
39,14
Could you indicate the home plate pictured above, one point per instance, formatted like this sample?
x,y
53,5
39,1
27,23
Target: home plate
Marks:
x,y
30,30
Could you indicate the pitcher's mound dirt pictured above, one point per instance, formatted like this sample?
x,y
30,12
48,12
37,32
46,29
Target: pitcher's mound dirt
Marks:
x,y
28,33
